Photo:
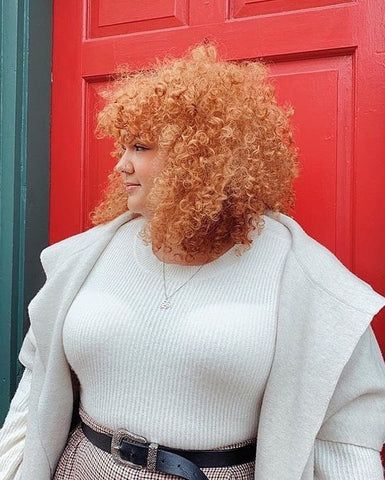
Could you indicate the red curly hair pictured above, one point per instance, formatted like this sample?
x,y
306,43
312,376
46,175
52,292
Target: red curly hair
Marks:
x,y
230,154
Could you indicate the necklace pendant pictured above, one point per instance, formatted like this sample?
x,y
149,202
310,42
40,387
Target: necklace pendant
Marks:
x,y
165,304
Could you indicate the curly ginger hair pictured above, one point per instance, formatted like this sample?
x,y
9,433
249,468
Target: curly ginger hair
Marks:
x,y
230,154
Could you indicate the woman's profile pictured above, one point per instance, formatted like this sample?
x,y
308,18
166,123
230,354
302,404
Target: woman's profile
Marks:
x,y
197,331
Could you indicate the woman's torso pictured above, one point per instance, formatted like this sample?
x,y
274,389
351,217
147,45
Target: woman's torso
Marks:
x,y
191,376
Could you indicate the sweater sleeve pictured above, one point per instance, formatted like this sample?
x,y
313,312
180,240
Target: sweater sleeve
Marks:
x,y
12,434
356,413
340,461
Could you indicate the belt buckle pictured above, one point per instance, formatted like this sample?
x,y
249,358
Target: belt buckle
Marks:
x,y
118,437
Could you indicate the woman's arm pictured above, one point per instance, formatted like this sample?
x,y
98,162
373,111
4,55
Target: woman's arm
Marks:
x,y
12,434
350,439
341,461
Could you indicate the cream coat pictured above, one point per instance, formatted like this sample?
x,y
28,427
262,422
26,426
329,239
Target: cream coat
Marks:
x,y
327,379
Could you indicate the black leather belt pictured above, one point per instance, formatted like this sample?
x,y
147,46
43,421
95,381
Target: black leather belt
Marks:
x,y
134,451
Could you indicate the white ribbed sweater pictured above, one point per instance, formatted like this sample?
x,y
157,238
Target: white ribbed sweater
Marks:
x,y
191,376
332,460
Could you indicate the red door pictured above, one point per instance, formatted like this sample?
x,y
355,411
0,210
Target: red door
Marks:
x,y
326,58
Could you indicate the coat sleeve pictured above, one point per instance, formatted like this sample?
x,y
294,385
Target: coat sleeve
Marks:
x,y
350,439
12,434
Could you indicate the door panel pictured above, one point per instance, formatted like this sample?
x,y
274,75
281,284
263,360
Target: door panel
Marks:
x,y
320,91
326,59
98,161
248,8
117,17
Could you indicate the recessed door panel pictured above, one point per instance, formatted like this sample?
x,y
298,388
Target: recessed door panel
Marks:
x,y
326,59
117,17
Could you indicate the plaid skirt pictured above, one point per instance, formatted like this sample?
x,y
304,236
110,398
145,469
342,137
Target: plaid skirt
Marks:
x,y
81,460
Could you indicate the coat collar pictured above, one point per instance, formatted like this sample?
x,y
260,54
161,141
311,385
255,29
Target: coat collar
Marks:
x,y
72,258
323,312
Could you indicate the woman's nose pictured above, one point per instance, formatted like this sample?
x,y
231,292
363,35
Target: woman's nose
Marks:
x,y
124,165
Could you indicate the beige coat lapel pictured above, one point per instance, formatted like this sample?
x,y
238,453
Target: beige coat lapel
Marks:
x,y
323,312
66,266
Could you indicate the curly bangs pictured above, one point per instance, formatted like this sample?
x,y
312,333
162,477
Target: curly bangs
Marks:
x,y
230,154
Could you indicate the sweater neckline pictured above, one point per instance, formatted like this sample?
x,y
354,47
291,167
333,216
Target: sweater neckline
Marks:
x,y
148,261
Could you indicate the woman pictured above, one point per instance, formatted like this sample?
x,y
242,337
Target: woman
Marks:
x,y
196,315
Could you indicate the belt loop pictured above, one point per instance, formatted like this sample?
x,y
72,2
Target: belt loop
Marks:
x,y
152,456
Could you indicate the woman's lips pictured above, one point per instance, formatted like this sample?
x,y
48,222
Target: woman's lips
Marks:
x,y
131,186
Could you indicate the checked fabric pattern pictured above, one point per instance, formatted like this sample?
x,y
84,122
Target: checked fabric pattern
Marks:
x,y
81,460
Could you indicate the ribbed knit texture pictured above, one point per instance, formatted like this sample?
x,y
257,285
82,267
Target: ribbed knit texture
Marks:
x,y
192,376
340,461
12,434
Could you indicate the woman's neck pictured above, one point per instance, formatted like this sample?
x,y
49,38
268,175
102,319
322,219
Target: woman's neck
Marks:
x,y
178,256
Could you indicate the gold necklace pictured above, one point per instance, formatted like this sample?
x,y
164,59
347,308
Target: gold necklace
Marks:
x,y
165,303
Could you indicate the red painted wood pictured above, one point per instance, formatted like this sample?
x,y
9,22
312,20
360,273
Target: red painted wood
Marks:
x,y
66,209
116,17
326,59
96,171
247,8
369,147
205,12
319,89
313,32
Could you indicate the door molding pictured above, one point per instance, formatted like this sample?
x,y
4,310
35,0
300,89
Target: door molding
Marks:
x,y
25,72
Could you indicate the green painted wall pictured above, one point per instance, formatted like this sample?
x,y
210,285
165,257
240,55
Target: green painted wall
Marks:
x,y
25,65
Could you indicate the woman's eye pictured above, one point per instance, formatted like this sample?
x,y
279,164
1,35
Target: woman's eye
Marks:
x,y
139,148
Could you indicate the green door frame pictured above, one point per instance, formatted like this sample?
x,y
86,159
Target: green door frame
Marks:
x,y
25,84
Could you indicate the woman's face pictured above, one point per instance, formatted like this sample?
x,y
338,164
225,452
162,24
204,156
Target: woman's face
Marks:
x,y
139,166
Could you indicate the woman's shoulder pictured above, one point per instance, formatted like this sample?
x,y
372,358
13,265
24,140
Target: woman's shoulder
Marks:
x,y
60,251
320,268
273,227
